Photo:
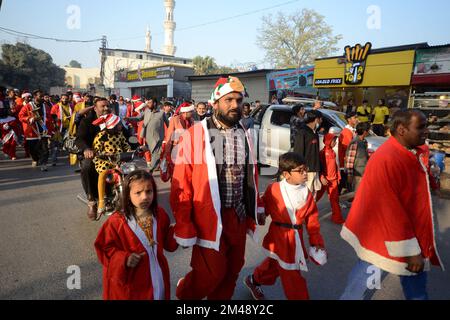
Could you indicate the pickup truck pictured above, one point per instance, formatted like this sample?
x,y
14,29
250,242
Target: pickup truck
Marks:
x,y
272,131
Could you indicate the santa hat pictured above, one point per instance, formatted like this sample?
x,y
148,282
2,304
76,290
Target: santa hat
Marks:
x,y
225,86
136,98
77,97
185,107
26,95
139,106
108,121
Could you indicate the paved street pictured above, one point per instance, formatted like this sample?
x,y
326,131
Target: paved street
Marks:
x,y
44,230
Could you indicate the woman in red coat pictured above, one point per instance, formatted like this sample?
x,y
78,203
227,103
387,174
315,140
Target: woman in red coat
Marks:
x,y
130,244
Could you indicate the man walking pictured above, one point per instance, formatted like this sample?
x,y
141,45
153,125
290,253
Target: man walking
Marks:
x,y
390,224
214,196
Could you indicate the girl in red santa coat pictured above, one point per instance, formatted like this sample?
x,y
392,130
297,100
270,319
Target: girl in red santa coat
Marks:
x,y
130,244
290,205
332,176
9,136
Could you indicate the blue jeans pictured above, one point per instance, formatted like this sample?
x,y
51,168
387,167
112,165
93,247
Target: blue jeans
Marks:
x,y
365,278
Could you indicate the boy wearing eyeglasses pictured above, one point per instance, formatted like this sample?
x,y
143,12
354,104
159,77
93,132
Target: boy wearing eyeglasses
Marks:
x,y
291,206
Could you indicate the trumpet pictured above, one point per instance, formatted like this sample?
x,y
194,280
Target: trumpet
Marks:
x,y
38,118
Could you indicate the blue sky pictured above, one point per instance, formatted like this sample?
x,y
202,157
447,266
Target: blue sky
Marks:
x,y
229,42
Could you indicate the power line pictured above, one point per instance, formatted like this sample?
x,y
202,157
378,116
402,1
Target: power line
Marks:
x,y
216,21
33,36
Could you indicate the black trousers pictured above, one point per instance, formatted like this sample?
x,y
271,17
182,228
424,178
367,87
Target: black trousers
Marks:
x,y
89,179
378,129
39,150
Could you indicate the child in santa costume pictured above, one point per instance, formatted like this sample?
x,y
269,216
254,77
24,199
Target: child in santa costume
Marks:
x,y
291,206
215,198
136,102
391,225
110,141
332,176
9,136
131,243
181,121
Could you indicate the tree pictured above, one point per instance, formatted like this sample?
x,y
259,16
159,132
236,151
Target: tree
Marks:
x,y
75,64
29,68
207,65
296,40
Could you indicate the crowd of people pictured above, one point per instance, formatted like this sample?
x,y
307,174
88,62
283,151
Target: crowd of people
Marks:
x,y
215,196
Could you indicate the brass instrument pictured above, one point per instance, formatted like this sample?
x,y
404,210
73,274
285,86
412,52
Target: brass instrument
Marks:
x,y
38,118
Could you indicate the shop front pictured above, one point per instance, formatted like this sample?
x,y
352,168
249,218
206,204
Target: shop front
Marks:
x,y
167,81
363,73
292,82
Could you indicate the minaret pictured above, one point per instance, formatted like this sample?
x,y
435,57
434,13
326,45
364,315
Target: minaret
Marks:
x,y
148,41
169,28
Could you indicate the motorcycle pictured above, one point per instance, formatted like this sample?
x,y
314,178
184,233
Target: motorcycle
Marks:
x,y
111,186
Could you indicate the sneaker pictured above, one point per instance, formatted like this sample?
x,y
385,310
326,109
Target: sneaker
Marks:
x,y
92,210
44,168
13,158
34,164
255,290
54,164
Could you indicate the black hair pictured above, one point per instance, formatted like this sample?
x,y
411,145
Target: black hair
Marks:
x,y
365,101
297,107
36,92
350,115
382,101
113,97
312,115
362,127
128,208
289,161
403,118
246,104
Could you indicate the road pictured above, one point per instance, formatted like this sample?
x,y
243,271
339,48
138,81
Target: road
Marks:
x,y
45,231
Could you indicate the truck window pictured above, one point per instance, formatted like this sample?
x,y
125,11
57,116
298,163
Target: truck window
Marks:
x,y
281,118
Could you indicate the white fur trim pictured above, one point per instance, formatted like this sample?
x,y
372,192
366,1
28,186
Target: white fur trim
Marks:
x,y
213,187
285,265
389,265
253,235
187,109
185,242
404,248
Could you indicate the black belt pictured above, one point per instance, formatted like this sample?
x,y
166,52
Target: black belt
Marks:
x,y
288,225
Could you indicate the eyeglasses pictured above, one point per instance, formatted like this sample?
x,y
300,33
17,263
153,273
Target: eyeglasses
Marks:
x,y
301,170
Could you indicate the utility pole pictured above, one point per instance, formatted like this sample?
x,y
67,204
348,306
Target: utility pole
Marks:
x,y
103,60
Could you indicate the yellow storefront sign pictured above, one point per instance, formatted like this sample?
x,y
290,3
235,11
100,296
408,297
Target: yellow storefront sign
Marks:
x,y
381,70
146,74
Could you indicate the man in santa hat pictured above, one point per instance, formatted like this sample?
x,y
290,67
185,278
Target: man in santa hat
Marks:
x,y
136,102
214,196
180,122
390,224
38,128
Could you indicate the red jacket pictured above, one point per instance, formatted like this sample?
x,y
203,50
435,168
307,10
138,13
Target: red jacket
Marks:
x,y
330,170
58,112
391,216
114,244
194,196
345,138
284,244
30,129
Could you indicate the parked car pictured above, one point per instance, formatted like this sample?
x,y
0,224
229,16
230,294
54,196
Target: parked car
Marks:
x,y
308,102
272,131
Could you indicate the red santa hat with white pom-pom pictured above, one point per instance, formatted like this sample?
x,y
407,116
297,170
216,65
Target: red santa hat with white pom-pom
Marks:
x,y
108,121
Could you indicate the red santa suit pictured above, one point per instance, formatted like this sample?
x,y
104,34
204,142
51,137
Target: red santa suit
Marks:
x,y
177,125
9,136
346,136
391,216
332,174
131,111
58,111
31,128
117,240
216,233
289,206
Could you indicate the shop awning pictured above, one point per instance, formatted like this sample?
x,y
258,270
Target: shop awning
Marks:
x,y
431,79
